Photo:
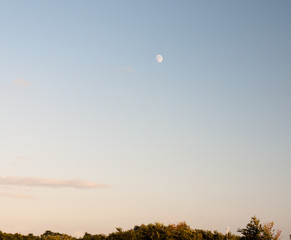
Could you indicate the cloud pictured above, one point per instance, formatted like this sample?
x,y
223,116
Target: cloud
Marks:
x,y
52,183
127,69
21,82
14,195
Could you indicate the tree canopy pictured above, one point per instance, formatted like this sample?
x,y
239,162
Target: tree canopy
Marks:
x,y
256,231
158,231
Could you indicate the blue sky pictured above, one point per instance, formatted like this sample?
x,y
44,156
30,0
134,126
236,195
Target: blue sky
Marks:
x,y
95,134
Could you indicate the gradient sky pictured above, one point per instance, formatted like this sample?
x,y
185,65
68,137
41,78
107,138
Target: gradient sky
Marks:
x,y
95,134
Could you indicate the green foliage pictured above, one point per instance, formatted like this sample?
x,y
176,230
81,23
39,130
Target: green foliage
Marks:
x,y
269,233
252,231
158,231
49,235
256,231
88,236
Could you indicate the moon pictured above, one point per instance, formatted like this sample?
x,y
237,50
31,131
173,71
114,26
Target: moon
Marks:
x,y
159,58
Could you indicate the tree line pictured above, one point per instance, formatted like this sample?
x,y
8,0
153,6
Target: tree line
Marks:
x,y
181,231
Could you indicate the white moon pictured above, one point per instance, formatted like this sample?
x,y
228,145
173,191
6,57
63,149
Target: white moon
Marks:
x,y
159,58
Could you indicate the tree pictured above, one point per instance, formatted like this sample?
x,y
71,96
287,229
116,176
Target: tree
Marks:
x,y
269,233
256,231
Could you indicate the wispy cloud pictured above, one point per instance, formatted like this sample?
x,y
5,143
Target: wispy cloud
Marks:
x,y
45,182
127,69
14,195
21,82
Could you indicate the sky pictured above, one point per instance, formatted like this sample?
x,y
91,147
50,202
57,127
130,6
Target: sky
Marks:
x,y
96,134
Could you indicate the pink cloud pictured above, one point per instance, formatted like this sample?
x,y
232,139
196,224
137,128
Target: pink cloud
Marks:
x,y
45,182
128,69
14,195
21,82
